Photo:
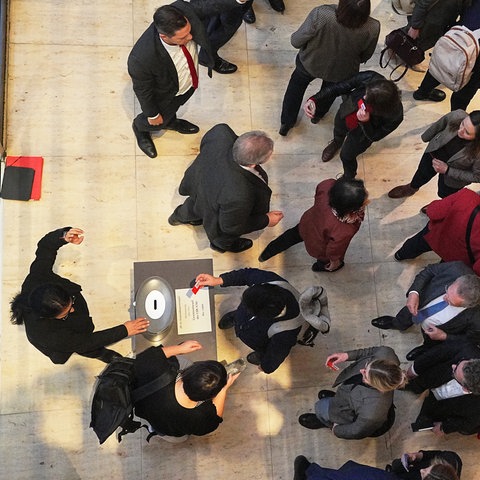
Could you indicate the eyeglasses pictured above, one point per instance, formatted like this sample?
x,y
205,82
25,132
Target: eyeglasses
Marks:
x,y
69,310
447,286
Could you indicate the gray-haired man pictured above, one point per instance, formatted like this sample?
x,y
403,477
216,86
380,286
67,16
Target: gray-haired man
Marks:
x,y
227,189
444,300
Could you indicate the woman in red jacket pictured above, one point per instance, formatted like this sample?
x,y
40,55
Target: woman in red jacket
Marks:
x,y
328,227
445,233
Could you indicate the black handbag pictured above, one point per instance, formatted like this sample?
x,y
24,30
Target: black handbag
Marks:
x,y
398,43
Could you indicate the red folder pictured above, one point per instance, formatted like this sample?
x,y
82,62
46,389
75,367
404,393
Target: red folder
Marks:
x,y
31,162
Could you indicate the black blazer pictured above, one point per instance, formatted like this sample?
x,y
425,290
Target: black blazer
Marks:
x,y
434,367
154,77
58,339
230,200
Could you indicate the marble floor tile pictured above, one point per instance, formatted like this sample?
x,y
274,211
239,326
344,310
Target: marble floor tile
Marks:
x,y
70,100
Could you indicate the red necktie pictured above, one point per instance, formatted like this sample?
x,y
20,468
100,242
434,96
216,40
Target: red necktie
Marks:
x,y
191,66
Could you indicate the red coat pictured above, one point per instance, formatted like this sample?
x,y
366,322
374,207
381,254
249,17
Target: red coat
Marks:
x,y
448,226
326,237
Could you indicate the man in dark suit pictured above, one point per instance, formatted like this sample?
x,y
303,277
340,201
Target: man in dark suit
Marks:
x,y
227,188
451,371
444,299
163,63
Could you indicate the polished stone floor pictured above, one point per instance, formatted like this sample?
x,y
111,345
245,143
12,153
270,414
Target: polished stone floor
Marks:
x,y
70,100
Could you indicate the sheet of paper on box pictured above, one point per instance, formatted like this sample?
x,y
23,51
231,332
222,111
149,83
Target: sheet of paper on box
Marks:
x,y
193,313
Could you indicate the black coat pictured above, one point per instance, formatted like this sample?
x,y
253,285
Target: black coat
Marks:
x,y
154,77
59,339
253,331
230,200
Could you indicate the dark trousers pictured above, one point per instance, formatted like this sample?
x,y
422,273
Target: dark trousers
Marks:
x,y
221,28
292,100
460,99
286,240
170,114
425,173
354,143
186,212
415,246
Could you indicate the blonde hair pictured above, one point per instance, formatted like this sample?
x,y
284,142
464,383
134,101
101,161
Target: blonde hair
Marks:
x,y
385,375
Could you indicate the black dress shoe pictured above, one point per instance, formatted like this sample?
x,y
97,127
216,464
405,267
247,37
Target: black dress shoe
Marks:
x,y
434,95
227,321
415,352
254,358
284,129
182,126
249,16
300,466
385,322
238,245
224,67
325,394
144,142
174,222
310,420
277,5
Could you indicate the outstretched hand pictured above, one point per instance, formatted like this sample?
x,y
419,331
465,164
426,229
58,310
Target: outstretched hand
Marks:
x,y
139,325
189,346
336,358
74,235
207,280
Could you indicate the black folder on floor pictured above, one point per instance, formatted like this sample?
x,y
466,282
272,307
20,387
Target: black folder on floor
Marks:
x,y
17,183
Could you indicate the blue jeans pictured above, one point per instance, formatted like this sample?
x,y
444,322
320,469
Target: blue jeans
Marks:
x,y
321,411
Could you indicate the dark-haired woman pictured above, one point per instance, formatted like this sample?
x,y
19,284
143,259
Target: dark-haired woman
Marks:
x,y
333,41
54,312
328,227
453,152
371,109
268,319
192,403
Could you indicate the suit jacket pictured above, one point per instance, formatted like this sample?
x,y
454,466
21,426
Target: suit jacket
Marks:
x,y
434,366
230,200
448,225
154,77
463,168
360,410
430,283
458,414
58,339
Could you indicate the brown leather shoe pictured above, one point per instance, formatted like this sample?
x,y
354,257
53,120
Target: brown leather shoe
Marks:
x,y
402,191
330,150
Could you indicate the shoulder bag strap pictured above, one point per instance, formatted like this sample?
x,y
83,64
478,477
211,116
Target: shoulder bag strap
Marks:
x,y
469,231
151,387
